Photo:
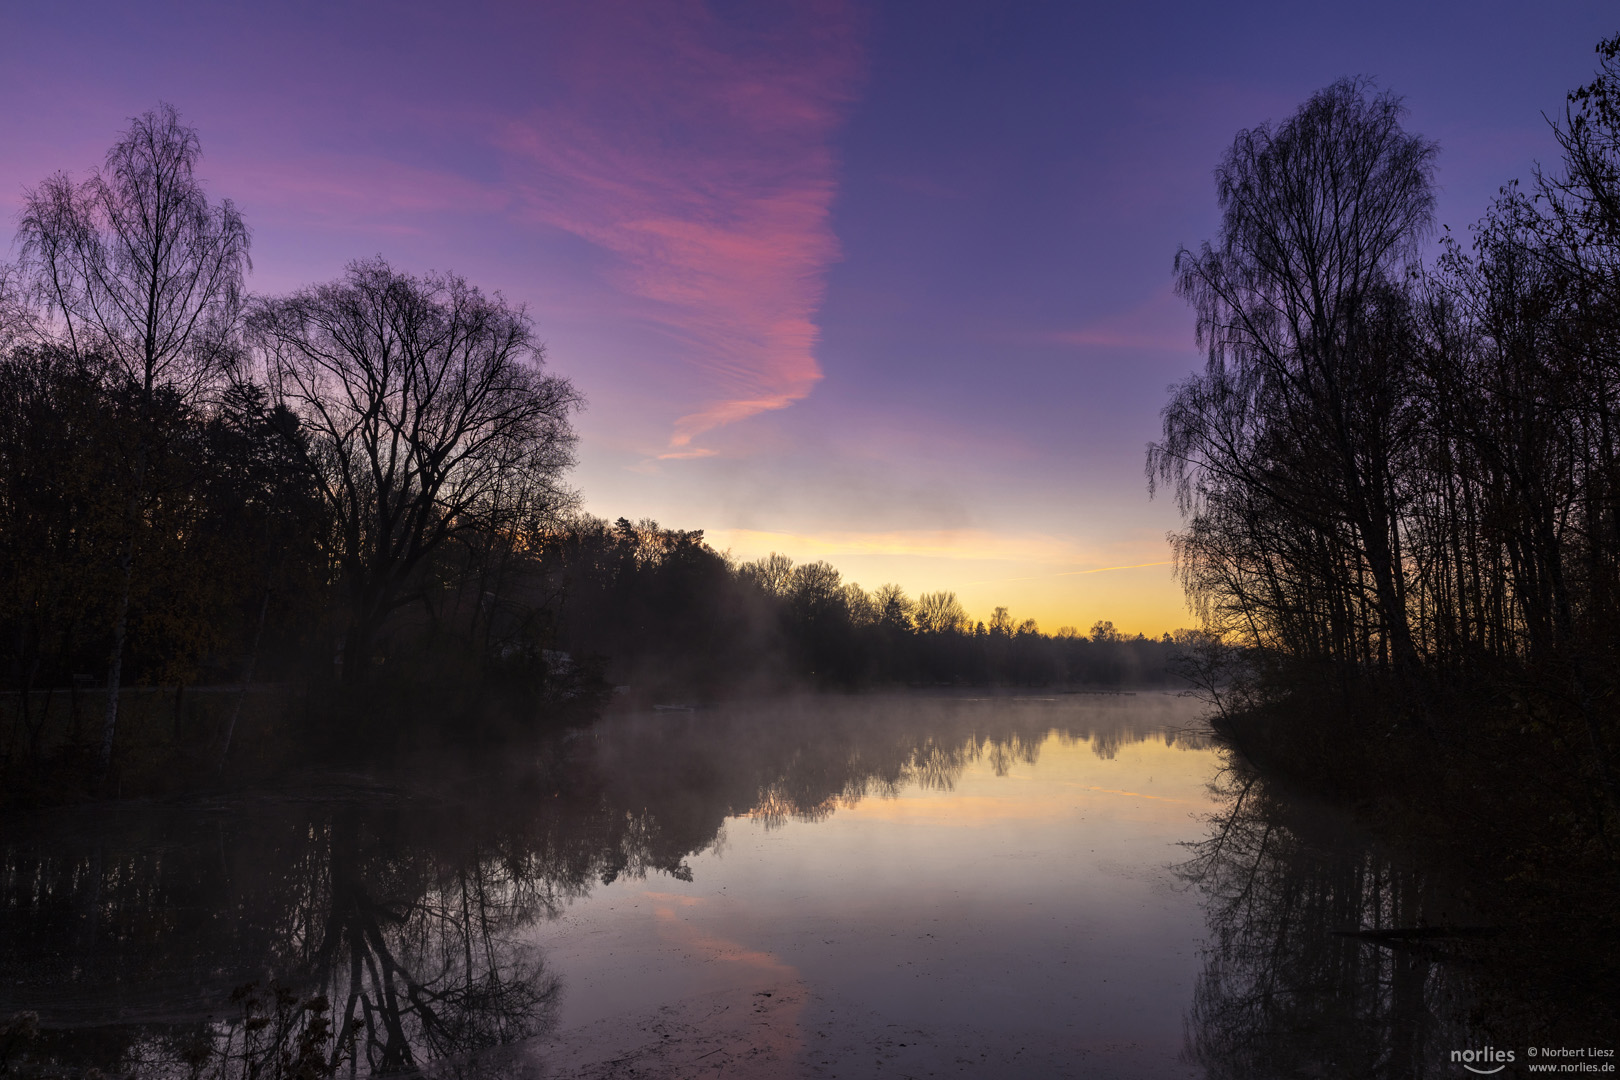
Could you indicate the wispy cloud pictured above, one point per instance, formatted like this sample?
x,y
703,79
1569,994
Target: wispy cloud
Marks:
x,y
1075,573
698,154
978,545
360,193
1162,322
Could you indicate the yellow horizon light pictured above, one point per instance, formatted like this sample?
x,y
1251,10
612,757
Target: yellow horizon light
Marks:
x,y
1039,576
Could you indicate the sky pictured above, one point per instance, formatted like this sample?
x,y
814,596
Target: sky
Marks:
x,y
885,284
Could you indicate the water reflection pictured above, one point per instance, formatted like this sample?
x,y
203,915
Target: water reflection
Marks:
x,y
334,931
1327,956
372,925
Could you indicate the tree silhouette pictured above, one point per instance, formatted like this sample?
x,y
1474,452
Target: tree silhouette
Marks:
x,y
429,415
137,266
1283,452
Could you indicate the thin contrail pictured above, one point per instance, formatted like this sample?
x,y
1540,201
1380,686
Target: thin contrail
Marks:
x,y
1104,569
1072,573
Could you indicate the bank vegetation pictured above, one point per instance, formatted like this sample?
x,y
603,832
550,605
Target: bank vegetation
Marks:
x,y
1401,494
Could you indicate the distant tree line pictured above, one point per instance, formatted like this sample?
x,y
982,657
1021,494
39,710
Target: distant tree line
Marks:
x,y
1405,476
362,478
664,609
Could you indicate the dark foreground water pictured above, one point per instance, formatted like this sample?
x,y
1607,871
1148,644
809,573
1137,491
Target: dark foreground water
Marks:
x,y
901,886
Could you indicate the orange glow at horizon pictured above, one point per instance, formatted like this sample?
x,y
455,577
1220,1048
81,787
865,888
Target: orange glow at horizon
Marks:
x,y
1033,575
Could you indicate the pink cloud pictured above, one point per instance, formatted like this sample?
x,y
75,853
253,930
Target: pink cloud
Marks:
x,y
699,155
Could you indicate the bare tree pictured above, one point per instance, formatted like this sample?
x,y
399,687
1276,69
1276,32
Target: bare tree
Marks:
x,y
1299,415
136,265
16,309
773,573
895,609
861,605
1584,199
815,588
430,417
940,613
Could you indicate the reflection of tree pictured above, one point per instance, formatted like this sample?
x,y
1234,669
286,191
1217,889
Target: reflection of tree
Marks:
x,y
409,909
392,954
428,973
1327,958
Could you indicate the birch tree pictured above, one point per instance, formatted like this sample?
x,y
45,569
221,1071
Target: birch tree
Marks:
x,y
135,265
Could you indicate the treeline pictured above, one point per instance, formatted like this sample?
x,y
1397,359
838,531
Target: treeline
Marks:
x,y
1400,481
666,611
361,484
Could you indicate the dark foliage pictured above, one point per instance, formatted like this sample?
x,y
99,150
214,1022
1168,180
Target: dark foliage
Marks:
x,y
1401,491
666,614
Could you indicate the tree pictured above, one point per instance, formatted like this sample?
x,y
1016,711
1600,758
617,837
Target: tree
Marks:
x,y
1283,452
939,613
1585,199
862,607
16,310
772,574
815,590
136,265
429,416
895,608
60,519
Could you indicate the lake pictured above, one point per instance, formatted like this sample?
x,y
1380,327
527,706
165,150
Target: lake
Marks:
x,y
906,885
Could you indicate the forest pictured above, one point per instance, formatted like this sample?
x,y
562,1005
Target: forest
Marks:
x,y
354,496
1401,494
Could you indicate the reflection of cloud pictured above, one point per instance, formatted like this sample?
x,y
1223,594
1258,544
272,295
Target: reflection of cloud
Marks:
x,y
770,1027
731,1010
1141,795
966,811
698,154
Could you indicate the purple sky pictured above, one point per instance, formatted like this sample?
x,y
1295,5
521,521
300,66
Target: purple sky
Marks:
x,y
883,284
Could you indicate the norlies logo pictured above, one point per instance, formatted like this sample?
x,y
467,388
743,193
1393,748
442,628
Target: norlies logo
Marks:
x,y
1468,1059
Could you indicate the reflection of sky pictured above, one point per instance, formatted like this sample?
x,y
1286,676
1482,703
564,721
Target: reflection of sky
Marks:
x,y
880,283
1029,899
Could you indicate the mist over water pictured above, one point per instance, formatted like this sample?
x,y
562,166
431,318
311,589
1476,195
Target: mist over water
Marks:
x,y
962,886
818,886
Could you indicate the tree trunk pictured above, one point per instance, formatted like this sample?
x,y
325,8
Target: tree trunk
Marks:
x,y
115,662
126,567
247,678
356,644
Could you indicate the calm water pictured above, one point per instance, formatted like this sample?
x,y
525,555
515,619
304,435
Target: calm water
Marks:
x,y
939,888
905,886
